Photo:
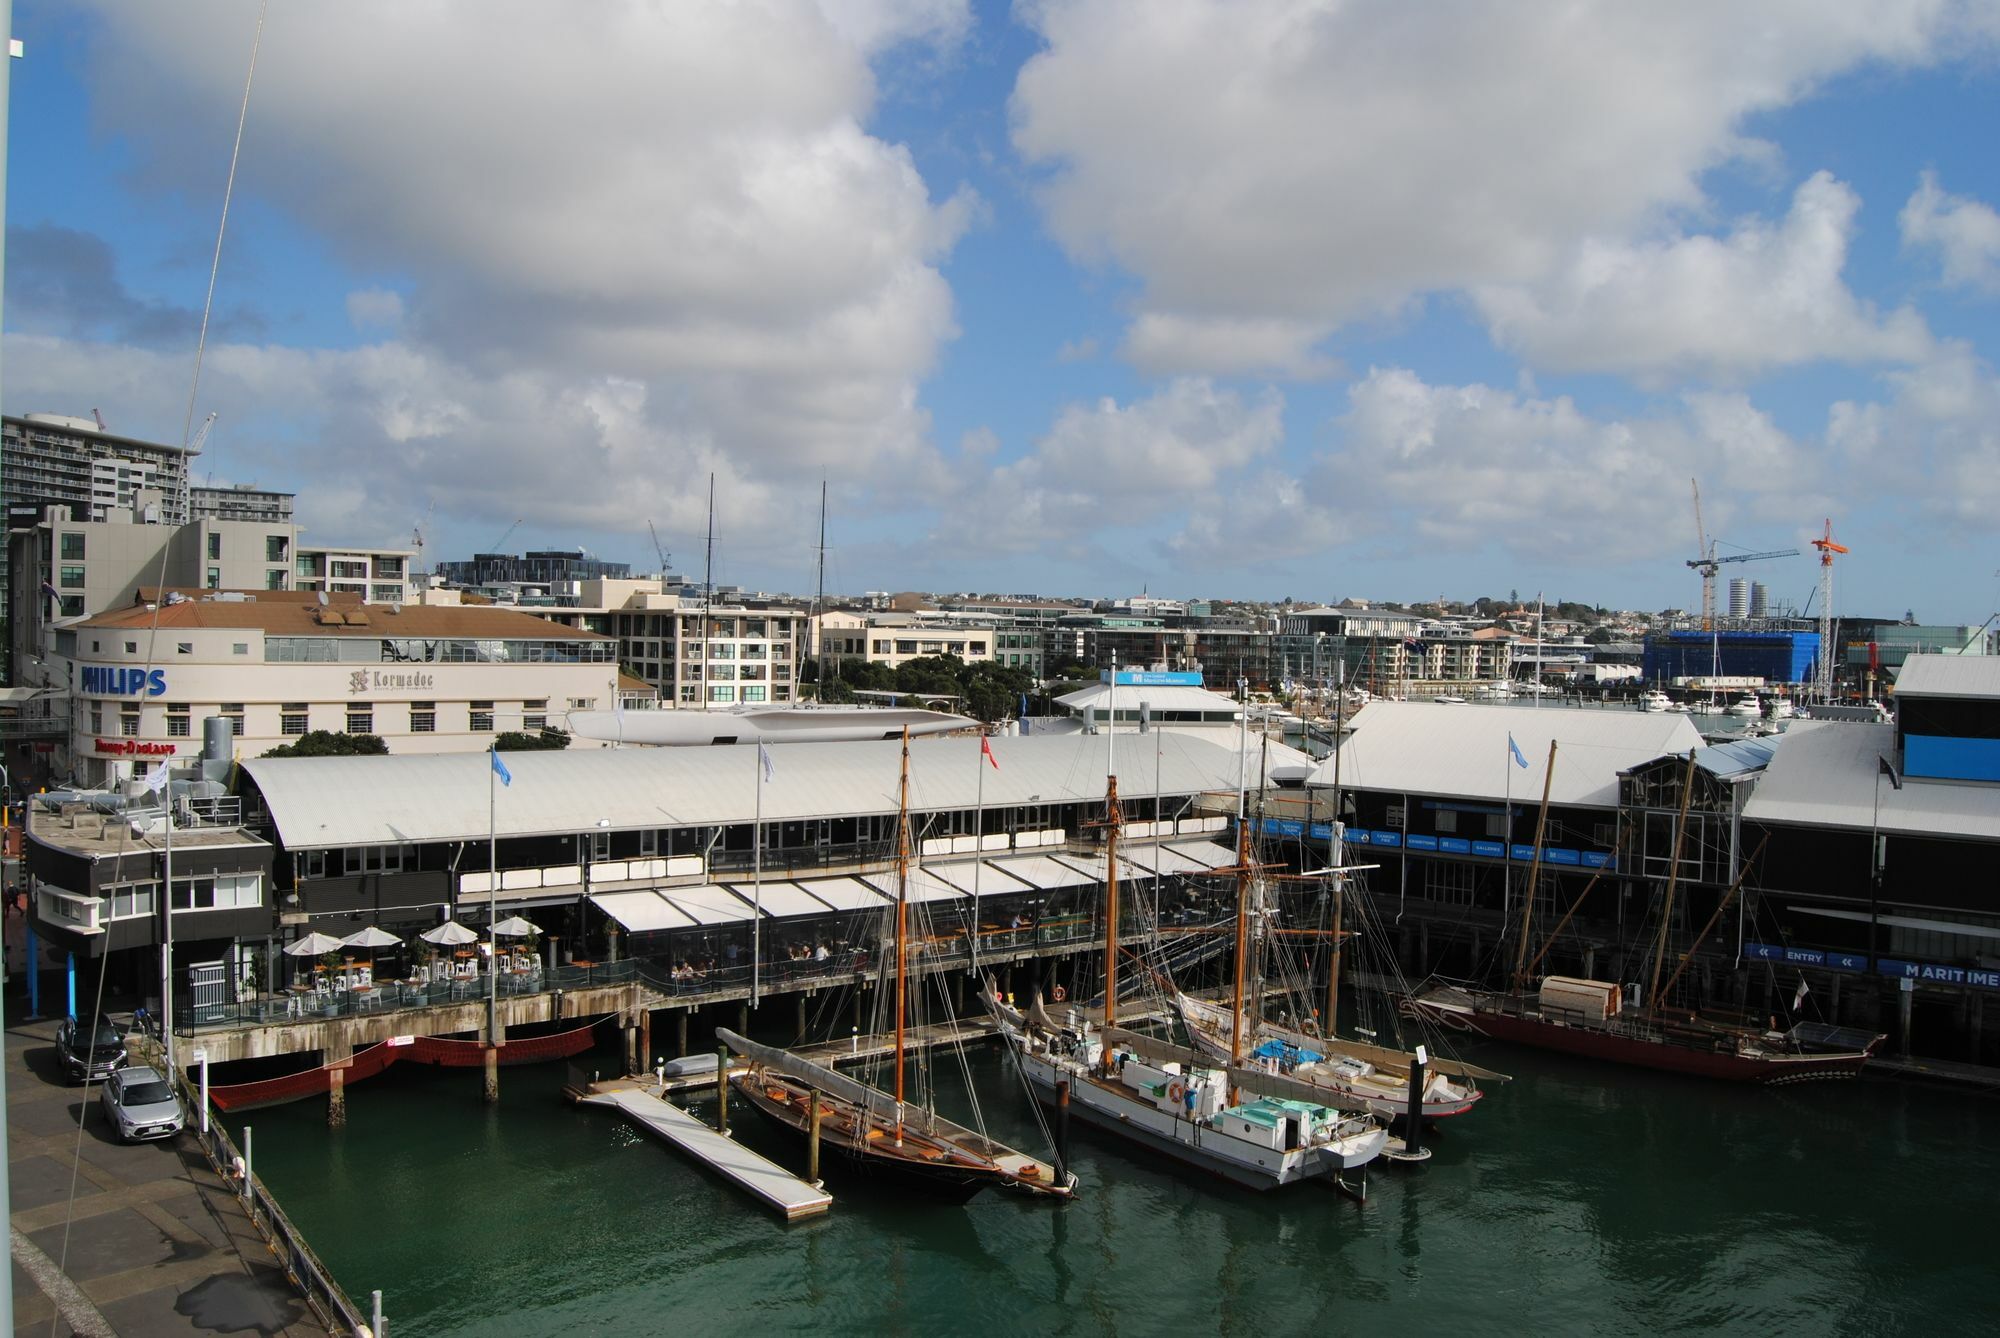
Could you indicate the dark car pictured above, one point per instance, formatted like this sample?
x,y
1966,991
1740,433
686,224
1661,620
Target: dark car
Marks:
x,y
89,1052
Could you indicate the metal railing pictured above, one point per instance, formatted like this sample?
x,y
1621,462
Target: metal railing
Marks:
x,y
325,1297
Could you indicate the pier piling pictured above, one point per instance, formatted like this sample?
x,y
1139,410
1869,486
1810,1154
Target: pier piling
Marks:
x,y
492,1092
722,1090
812,1143
681,1032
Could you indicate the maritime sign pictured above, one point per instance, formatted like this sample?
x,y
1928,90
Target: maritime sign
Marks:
x,y
1151,678
1930,973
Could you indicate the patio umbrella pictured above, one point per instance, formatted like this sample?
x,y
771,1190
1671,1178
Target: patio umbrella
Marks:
x,y
371,938
516,927
312,945
450,934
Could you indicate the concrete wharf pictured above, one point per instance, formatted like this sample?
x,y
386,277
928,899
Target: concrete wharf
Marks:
x,y
792,1198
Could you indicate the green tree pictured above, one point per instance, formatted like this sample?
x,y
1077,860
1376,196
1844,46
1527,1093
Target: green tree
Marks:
x,y
326,743
515,741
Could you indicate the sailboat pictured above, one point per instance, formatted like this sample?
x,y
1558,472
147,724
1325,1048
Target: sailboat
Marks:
x,y
1166,1098
1593,1018
877,1133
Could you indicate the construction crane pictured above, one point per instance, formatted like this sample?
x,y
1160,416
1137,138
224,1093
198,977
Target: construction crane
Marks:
x,y
507,533
1823,686
417,538
658,548
1708,562
200,434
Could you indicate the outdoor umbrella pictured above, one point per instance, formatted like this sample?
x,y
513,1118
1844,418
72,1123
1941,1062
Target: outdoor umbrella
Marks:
x,y
371,938
450,934
515,927
312,945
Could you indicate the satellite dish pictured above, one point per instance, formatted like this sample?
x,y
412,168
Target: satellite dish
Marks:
x,y
322,599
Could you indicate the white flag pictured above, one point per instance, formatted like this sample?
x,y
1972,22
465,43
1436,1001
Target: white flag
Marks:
x,y
1799,997
156,780
764,756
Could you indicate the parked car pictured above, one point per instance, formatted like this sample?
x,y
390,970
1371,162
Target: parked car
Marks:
x,y
140,1104
89,1051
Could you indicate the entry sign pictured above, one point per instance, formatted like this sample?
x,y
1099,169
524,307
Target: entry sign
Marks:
x,y
1909,974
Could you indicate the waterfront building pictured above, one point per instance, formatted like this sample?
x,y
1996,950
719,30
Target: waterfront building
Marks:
x,y
1145,698
242,501
280,664
1775,655
735,651
373,575
546,569
894,639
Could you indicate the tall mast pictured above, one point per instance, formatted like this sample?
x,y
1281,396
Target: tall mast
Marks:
x,y
1673,876
819,598
1242,942
1112,819
1339,857
707,590
902,919
1534,870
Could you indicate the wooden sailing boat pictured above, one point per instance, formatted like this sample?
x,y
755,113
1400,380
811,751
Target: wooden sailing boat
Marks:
x,y
1355,1075
1592,1018
877,1133
1166,1098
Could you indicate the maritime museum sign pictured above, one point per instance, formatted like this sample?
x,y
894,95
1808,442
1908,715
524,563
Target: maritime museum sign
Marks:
x,y
1929,973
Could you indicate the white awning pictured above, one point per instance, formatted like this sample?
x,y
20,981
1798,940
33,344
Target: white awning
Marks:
x,y
1185,857
641,911
992,881
1044,872
924,886
780,899
844,894
708,904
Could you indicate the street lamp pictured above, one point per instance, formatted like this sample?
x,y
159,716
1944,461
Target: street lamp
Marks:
x,y
1883,767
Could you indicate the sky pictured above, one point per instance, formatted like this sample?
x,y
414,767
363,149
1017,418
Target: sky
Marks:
x,y
1259,300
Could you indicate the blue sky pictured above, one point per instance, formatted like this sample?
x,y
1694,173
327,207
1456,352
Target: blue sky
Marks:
x,y
1292,299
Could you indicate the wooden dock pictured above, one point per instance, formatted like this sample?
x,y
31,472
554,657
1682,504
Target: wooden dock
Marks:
x,y
778,1188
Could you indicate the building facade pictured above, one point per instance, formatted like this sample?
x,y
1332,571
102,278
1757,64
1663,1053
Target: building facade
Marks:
x,y
243,501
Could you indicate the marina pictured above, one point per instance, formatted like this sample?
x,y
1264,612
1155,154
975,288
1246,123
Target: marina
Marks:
x,y
792,1198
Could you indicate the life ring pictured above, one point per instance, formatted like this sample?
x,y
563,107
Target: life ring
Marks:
x,y
1058,994
1176,1091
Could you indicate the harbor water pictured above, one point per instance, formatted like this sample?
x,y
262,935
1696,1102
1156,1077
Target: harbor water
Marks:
x,y
1577,1199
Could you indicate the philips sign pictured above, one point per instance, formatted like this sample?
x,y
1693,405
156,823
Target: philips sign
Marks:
x,y
100,681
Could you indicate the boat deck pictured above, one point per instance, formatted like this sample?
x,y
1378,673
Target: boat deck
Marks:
x,y
778,1188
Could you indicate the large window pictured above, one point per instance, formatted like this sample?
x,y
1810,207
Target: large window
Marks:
x,y
275,546
72,547
227,891
292,717
180,724
479,718
360,718
132,900
372,859
214,547
71,578
423,718
233,713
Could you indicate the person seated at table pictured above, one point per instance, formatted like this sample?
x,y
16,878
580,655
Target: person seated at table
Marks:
x,y
820,952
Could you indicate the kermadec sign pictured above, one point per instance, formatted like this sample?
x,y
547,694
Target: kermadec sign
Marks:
x,y
99,680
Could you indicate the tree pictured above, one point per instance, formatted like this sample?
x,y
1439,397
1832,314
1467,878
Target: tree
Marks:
x,y
326,743
514,741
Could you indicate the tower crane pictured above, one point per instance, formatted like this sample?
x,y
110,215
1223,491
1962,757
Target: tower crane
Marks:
x,y
658,548
1823,687
1708,562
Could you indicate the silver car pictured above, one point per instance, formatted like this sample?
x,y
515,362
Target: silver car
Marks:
x,y
140,1105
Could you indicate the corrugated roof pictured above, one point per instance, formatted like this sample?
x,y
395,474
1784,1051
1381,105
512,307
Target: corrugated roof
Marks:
x,y
293,618
1949,676
1826,775
1736,757
1460,751
323,802
1159,698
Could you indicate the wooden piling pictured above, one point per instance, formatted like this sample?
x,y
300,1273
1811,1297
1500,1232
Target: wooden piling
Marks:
x,y
722,1089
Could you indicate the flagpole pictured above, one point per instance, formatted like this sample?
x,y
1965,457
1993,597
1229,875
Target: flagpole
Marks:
x,y
978,847
1507,833
492,893
757,877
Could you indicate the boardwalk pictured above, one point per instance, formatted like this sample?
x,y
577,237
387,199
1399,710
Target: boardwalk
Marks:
x,y
778,1188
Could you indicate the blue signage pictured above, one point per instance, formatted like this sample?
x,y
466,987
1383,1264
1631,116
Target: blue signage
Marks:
x,y
1491,849
103,681
1151,678
1454,845
1894,968
1423,843
1524,853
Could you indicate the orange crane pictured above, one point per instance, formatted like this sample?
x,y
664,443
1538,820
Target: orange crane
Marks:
x,y
1823,686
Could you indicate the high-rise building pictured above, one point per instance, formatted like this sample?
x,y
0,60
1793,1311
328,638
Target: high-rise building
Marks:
x,y
1760,600
242,501
1739,597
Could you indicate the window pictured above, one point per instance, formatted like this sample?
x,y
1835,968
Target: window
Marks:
x,y
71,578
128,720
72,547
214,547
423,718
307,565
133,900
215,578
274,579
233,713
753,694
71,606
582,703
96,719
228,891
1447,820
292,718
350,571
722,694
480,717
373,859
274,547
184,648
131,648
360,718
240,648
179,723
312,864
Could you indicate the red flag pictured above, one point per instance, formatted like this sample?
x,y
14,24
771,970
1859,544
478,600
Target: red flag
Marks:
x,y
986,749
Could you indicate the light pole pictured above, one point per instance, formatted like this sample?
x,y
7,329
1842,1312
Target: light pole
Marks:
x,y
1883,767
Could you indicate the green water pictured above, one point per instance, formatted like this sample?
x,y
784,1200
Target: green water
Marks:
x,y
1577,1199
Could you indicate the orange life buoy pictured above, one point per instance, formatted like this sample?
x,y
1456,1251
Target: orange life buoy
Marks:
x,y
1058,994
1176,1090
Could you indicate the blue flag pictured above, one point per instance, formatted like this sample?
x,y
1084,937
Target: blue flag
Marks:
x,y
1515,749
764,756
500,769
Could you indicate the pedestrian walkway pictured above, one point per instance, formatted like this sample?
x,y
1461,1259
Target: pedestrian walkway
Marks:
x,y
156,1242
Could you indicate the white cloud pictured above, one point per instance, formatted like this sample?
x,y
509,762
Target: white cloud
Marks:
x,y
1765,296
655,235
1107,466
1291,166
376,308
1932,446
1964,232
